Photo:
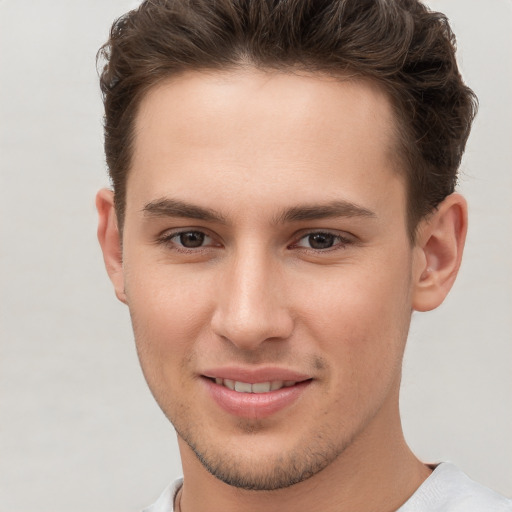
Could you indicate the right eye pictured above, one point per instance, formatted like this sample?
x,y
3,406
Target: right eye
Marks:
x,y
191,239
187,240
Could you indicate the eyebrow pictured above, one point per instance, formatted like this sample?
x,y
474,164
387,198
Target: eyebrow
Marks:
x,y
324,211
173,208
167,207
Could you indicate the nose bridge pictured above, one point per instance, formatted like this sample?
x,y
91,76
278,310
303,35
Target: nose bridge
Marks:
x,y
251,306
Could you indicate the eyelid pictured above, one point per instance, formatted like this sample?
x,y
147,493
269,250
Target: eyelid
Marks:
x,y
167,236
343,239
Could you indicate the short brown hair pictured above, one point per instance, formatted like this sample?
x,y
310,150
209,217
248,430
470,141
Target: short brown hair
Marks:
x,y
401,44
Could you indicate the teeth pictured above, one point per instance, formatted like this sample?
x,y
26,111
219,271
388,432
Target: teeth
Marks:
x,y
261,387
258,387
243,387
229,384
276,384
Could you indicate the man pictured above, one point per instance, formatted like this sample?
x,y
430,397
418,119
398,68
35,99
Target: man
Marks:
x,y
283,199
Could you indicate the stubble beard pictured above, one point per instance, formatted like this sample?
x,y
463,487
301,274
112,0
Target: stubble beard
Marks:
x,y
285,469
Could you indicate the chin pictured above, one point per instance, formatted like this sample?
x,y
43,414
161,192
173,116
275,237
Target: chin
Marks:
x,y
251,467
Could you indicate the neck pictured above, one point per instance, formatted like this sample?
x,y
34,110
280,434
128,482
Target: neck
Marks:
x,y
376,473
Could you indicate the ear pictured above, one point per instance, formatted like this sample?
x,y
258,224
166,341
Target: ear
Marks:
x,y
110,241
439,246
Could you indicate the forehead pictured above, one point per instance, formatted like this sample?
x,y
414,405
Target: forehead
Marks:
x,y
245,132
190,103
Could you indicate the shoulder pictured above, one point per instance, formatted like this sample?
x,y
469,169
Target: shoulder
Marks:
x,y
448,489
165,502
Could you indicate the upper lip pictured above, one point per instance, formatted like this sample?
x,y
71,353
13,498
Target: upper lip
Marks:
x,y
255,375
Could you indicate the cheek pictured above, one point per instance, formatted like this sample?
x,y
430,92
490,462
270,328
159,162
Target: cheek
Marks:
x,y
356,297
166,320
360,320
169,311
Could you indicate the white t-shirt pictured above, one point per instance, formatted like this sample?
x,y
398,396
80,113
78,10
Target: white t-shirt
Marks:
x,y
447,489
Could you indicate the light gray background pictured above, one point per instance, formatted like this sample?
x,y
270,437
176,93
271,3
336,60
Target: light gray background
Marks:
x,y
78,429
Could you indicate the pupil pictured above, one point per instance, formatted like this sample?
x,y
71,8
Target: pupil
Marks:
x,y
192,239
321,240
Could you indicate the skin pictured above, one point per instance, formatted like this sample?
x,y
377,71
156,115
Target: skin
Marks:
x,y
256,151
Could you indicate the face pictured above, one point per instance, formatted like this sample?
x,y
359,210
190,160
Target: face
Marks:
x,y
265,249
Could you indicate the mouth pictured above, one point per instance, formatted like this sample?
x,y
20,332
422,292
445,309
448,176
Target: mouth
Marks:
x,y
256,395
257,387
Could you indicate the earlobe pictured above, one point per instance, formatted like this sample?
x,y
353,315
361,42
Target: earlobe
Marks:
x,y
110,241
439,245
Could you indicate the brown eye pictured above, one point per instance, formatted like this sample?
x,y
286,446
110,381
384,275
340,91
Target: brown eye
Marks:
x,y
191,239
321,240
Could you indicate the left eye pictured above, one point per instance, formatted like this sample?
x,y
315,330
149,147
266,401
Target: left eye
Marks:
x,y
320,240
190,239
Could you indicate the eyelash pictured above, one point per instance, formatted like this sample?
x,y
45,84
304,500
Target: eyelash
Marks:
x,y
339,242
167,240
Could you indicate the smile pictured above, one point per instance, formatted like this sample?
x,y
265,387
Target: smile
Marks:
x,y
257,399
257,387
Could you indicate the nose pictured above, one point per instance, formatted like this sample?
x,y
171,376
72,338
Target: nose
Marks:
x,y
252,304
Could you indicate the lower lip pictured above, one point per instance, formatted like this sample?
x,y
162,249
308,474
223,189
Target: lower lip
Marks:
x,y
255,405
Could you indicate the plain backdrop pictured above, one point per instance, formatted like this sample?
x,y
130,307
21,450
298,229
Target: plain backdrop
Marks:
x,y
78,429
